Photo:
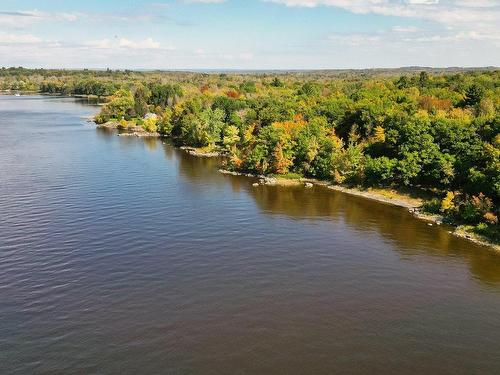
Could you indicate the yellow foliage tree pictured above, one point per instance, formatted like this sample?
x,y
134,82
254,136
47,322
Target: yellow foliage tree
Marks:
x,y
447,203
378,135
281,162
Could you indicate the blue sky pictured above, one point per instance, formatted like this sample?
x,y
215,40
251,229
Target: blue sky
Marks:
x,y
249,34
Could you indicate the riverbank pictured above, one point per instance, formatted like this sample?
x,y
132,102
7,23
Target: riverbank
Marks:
x,y
34,92
129,131
386,196
411,201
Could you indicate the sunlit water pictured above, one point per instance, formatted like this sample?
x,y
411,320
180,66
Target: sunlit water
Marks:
x,y
126,256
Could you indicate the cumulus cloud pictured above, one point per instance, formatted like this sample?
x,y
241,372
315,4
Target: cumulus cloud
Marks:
x,y
125,43
147,43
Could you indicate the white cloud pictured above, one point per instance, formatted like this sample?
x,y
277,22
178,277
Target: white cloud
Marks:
x,y
424,2
18,39
468,14
354,39
22,19
205,1
124,43
147,43
427,32
28,18
460,23
406,29
477,3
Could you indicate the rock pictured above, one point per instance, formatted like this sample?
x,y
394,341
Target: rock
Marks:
x,y
263,180
429,224
308,185
255,184
270,180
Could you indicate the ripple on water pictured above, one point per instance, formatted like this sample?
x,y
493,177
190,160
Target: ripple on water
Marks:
x,y
125,256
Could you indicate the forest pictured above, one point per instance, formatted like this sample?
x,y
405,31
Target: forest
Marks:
x,y
433,130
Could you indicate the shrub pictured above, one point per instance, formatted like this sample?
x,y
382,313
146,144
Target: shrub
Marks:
x,y
490,218
149,125
379,170
432,206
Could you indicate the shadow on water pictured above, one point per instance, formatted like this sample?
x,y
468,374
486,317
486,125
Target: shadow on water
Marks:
x,y
408,235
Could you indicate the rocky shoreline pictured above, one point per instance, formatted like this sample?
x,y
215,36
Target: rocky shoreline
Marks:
x,y
413,205
196,152
133,131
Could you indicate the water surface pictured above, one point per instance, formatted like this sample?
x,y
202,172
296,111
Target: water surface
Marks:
x,y
127,256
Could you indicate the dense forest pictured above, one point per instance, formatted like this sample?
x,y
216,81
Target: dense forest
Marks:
x,y
432,130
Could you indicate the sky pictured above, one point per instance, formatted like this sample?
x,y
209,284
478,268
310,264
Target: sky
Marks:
x,y
249,34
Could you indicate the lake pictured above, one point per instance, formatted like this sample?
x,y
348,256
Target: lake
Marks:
x,y
121,255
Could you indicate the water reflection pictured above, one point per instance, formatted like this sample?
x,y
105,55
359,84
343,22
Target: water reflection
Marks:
x,y
408,235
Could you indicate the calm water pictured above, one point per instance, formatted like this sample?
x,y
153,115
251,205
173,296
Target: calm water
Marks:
x,y
126,256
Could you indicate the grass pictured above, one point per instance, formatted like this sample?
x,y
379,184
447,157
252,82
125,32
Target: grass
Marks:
x,y
287,176
490,232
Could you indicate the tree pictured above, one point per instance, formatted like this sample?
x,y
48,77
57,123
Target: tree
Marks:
x,y
231,136
423,79
276,82
473,95
309,89
248,87
165,124
141,97
121,102
380,171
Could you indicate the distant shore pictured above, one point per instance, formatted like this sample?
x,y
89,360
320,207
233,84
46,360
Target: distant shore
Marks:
x,y
34,92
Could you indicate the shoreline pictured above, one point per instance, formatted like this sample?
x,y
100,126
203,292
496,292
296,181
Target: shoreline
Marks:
x,y
385,196
398,199
31,92
133,131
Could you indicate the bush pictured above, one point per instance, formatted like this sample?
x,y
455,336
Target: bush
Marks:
x,y
149,125
432,206
492,232
380,171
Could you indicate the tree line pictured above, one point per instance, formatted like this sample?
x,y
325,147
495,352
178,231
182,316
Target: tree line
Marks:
x,y
439,132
